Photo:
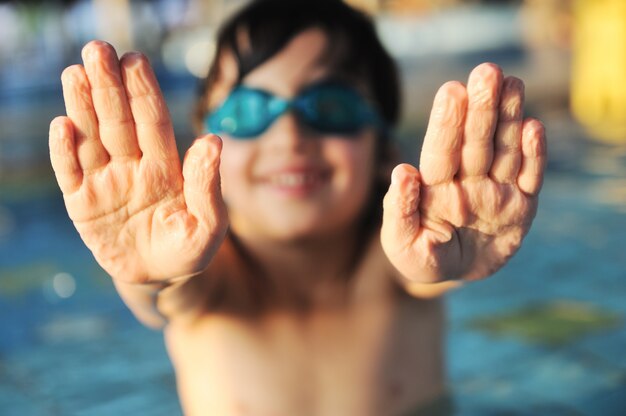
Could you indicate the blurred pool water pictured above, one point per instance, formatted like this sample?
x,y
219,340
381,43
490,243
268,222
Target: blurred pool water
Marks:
x,y
546,335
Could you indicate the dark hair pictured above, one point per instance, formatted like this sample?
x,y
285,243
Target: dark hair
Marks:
x,y
354,53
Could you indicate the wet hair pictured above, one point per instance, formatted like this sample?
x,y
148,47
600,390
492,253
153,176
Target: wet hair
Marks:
x,y
261,29
354,54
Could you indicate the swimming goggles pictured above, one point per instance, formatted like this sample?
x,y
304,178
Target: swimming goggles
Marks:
x,y
328,108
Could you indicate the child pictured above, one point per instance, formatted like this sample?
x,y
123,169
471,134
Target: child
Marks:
x,y
281,286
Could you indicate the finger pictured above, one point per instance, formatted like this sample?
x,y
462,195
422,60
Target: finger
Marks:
x,y
202,187
534,157
153,125
63,155
116,127
507,158
440,157
79,107
483,91
401,218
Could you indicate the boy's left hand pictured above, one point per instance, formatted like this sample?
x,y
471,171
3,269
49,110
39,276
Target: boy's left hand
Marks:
x,y
467,209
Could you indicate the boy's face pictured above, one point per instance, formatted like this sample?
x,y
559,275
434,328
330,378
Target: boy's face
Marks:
x,y
291,182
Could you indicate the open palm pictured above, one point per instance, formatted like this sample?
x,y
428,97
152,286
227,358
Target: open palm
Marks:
x,y
144,217
468,208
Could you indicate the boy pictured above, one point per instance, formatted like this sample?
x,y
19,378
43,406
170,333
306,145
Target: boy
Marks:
x,y
280,286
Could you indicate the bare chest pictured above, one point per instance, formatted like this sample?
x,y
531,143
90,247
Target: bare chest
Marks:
x,y
375,358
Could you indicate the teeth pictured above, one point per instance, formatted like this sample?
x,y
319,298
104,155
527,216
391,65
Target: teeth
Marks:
x,y
294,179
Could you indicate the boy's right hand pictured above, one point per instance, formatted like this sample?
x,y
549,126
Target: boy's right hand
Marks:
x,y
144,218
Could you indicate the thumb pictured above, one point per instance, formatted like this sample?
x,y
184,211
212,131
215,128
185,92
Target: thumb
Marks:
x,y
201,174
401,216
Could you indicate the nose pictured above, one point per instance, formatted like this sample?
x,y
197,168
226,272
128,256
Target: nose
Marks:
x,y
288,133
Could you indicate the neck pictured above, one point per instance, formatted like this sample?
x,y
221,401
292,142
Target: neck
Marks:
x,y
304,273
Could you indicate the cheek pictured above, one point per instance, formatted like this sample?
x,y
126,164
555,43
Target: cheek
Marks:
x,y
354,162
356,155
235,162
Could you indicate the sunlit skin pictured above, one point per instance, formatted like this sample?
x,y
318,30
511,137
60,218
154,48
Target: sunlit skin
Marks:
x,y
467,209
340,169
158,227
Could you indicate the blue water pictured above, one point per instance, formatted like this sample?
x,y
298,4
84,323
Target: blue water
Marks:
x,y
68,346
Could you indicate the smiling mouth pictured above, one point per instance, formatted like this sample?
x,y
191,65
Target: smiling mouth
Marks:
x,y
297,183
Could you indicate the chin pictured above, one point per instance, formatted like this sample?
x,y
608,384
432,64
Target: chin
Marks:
x,y
297,233
302,231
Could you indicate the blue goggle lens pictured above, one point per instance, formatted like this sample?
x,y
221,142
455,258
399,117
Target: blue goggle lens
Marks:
x,y
327,108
